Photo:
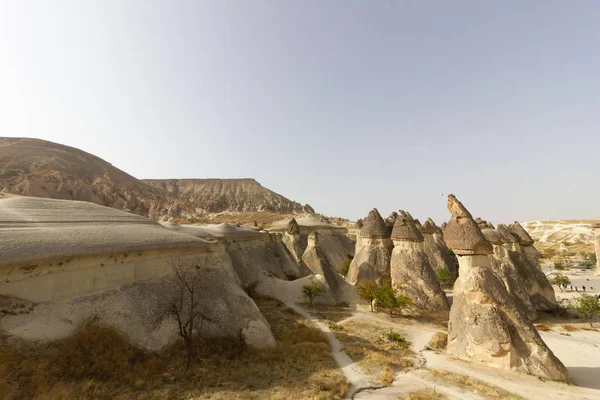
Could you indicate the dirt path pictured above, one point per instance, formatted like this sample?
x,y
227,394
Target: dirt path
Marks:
x,y
574,352
355,375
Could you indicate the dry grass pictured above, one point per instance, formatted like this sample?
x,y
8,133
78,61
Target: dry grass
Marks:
x,y
425,394
438,341
366,344
332,314
570,328
387,376
543,327
97,362
471,384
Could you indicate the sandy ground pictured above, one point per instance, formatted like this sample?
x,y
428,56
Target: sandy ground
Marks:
x,y
580,352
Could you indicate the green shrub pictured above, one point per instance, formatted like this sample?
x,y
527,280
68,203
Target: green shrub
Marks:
x,y
345,267
446,278
559,266
387,297
396,339
367,290
335,327
311,290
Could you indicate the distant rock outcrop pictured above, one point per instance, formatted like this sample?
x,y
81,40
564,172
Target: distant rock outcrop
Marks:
x,y
410,271
596,228
38,168
218,195
373,251
486,324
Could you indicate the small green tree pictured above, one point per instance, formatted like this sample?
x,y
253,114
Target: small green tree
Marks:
x,y
560,280
386,296
311,290
559,266
346,267
367,290
587,306
446,278
450,252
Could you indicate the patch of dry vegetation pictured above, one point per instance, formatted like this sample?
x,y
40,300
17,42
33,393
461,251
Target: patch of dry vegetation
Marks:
x,y
387,376
471,384
543,327
332,314
367,344
425,394
438,341
570,328
97,362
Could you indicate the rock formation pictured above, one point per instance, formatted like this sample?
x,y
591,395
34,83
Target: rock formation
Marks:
x,y
78,260
526,242
410,271
596,228
373,251
540,290
506,271
486,324
317,262
436,249
359,224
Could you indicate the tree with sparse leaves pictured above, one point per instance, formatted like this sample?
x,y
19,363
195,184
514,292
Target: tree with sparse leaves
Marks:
x,y
183,303
387,297
561,281
311,290
588,306
367,290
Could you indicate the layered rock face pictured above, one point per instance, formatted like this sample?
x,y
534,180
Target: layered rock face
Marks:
x,y
411,273
55,251
486,324
436,249
373,251
541,293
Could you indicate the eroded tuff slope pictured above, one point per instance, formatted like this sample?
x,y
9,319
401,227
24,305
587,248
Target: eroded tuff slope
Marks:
x,y
560,235
218,195
34,167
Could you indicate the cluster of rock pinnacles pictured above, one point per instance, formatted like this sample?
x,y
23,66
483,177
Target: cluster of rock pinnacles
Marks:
x,y
499,291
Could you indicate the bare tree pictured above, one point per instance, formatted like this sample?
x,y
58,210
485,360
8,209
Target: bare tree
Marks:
x,y
184,304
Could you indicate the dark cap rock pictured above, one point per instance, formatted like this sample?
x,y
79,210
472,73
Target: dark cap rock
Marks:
x,y
374,225
521,234
462,234
506,234
493,236
359,224
405,229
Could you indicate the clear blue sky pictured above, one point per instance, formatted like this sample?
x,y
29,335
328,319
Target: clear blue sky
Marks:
x,y
345,105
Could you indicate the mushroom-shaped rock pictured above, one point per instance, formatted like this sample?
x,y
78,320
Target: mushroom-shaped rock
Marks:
x,y
405,229
293,228
521,234
411,272
462,234
374,226
373,250
493,236
506,234
429,228
487,323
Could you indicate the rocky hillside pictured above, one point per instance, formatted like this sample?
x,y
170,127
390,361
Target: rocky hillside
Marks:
x,y
33,167
573,236
218,195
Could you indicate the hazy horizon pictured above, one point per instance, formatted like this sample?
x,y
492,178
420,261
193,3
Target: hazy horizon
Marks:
x,y
344,105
